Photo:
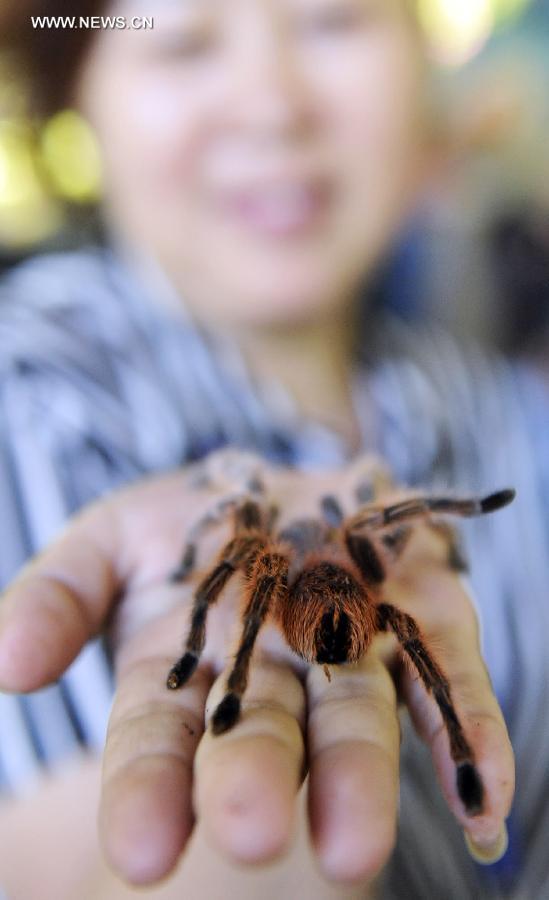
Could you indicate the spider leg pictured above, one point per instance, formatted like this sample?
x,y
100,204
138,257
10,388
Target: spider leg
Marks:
x,y
360,546
186,565
457,559
209,520
396,540
228,467
304,536
365,555
365,492
238,553
416,507
468,782
272,515
242,469
332,511
207,593
269,579
370,480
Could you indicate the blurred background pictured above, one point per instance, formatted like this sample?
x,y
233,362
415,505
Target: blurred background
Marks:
x,y
476,254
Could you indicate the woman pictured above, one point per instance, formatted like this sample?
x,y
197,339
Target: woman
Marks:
x,y
258,160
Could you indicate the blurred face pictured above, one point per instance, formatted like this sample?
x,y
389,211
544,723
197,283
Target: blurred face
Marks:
x,y
263,151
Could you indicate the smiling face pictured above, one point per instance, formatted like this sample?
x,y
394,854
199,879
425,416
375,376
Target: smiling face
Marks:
x,y
263,151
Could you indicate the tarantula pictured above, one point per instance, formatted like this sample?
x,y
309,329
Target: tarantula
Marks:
x,y
320,580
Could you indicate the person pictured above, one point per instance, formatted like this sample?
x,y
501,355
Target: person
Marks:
x,y
258,160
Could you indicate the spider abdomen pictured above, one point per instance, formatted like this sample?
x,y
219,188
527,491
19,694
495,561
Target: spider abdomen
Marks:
x,y
333,639
329,618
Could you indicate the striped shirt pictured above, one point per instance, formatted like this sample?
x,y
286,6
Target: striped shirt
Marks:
x,y
100,383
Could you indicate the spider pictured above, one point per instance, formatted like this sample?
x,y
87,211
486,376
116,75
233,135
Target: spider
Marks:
x,y
320,581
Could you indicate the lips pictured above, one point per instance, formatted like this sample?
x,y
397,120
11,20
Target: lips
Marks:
x,y
281,209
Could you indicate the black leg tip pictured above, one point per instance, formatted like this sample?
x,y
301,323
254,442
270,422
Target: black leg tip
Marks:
x,y
498,500
182,671
470,788
185,567
226,714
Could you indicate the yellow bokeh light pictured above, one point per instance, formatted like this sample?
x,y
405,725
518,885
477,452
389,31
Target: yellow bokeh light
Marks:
x,y
71,157
27,214
18,181
458,29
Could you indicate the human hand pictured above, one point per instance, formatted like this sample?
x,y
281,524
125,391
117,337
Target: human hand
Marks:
x,y
161,769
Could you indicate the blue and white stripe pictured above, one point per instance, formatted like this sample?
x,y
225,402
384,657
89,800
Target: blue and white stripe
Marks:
x,y
99,385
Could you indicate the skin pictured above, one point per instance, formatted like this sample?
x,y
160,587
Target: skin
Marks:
x,y
273,91
277,90
161,772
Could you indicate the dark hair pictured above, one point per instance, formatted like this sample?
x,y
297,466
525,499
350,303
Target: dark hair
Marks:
x,y
47,60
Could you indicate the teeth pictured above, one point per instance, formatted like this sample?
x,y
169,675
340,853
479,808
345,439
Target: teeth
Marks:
x,y
282,207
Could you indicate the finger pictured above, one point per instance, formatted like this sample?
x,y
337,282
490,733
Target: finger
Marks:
x,y
246,779
58,602
146,812
354,764
62,597
449,623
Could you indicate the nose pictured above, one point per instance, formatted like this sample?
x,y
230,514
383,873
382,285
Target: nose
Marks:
x,y
270,91
333,638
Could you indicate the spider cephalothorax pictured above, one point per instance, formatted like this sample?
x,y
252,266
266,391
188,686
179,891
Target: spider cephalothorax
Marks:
x,y
320,581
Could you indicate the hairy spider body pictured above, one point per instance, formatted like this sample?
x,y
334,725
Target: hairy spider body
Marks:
x,y
321,582
328,617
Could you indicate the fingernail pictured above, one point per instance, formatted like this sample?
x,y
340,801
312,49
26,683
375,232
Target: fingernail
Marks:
x,y
488,854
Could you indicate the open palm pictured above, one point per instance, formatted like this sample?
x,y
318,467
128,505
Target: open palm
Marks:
x,y
163,768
